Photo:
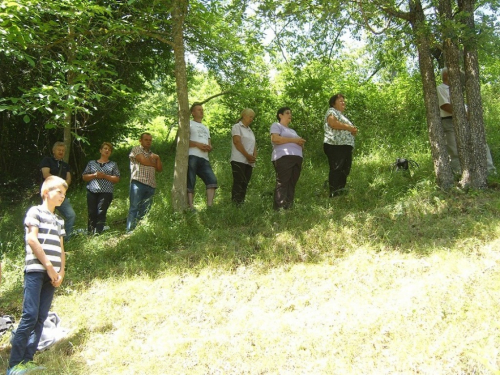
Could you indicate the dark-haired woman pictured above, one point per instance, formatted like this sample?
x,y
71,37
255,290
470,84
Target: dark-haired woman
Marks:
x,y
286,158
338,144
101,175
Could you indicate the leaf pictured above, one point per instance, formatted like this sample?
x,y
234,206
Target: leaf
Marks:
x,y
26,119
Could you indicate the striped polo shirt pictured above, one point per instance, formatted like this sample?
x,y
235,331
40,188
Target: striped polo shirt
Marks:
x,y
50,230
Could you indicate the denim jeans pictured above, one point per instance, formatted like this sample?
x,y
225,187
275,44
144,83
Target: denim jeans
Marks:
x,y
97,205
200,167
69,215
141,198
38,295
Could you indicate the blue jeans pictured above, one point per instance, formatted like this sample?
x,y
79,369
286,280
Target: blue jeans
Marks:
x,y
69,215
200,167
38,295
141,198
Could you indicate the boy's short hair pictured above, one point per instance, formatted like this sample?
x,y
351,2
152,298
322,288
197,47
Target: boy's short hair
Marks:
x,y
51,183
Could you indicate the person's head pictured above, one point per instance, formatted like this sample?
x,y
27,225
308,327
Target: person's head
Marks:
x,y
106,148
58,150
444,75
247,116
284,115
146,140
337,101
54,189
197,112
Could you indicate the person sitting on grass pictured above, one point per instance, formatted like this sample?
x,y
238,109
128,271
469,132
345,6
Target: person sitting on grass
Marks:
x,y
43,273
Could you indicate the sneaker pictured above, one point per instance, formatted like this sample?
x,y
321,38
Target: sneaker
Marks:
x,y
24,368
17,370
32,367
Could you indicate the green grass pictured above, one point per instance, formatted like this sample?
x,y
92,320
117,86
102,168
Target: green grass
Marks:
x,y
397,277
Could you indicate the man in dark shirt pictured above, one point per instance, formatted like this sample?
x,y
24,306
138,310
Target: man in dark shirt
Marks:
x,y
55,166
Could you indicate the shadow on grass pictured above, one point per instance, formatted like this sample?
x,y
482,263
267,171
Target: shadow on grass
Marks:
x,y
383,210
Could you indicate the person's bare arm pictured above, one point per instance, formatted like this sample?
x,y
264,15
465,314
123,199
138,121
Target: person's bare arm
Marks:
x,y
337,125
447,107
239,146
279,140
202,146
46,172
62,271
39,253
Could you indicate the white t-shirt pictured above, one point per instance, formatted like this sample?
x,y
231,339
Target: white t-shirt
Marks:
x,y
247,140
198,133
443,91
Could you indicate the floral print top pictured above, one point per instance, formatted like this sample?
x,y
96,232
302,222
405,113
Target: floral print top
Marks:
x,y
337,137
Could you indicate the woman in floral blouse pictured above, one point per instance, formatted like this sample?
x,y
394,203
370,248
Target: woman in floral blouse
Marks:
x,y
101,175
338,144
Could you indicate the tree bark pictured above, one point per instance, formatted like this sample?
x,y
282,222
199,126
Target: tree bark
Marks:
x,y
479,171
442,166
471,143
179,188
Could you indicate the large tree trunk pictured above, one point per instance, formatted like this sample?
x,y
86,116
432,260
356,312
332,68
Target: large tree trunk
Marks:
x,y
442,166
179,188
469,130
473,92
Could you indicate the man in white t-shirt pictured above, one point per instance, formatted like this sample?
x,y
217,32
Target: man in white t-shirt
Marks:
x,y
199,165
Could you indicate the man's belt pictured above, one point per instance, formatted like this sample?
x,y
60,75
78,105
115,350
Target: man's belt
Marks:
x,y
447,117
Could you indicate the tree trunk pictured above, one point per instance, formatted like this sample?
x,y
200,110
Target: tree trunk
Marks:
x,y
473,91
442,166
179,188
70,80
469,130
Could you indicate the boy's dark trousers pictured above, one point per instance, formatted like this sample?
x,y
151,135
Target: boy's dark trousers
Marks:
x,y
38,295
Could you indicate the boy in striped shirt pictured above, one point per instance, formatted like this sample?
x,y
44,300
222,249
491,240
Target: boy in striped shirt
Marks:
x,y
43,272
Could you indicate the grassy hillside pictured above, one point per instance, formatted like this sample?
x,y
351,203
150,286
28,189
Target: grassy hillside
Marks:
x,y
397,277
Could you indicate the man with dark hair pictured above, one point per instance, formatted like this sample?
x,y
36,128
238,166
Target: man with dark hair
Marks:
x,y
143,167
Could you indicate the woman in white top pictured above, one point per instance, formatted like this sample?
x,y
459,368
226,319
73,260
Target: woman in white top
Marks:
x,y
286,158
338,144
243,155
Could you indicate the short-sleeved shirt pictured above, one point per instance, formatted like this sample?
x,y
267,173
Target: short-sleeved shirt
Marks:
x,y
337,137
101,185
56,167
247,140
145,174
443,91
198,133
50,230
285,149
